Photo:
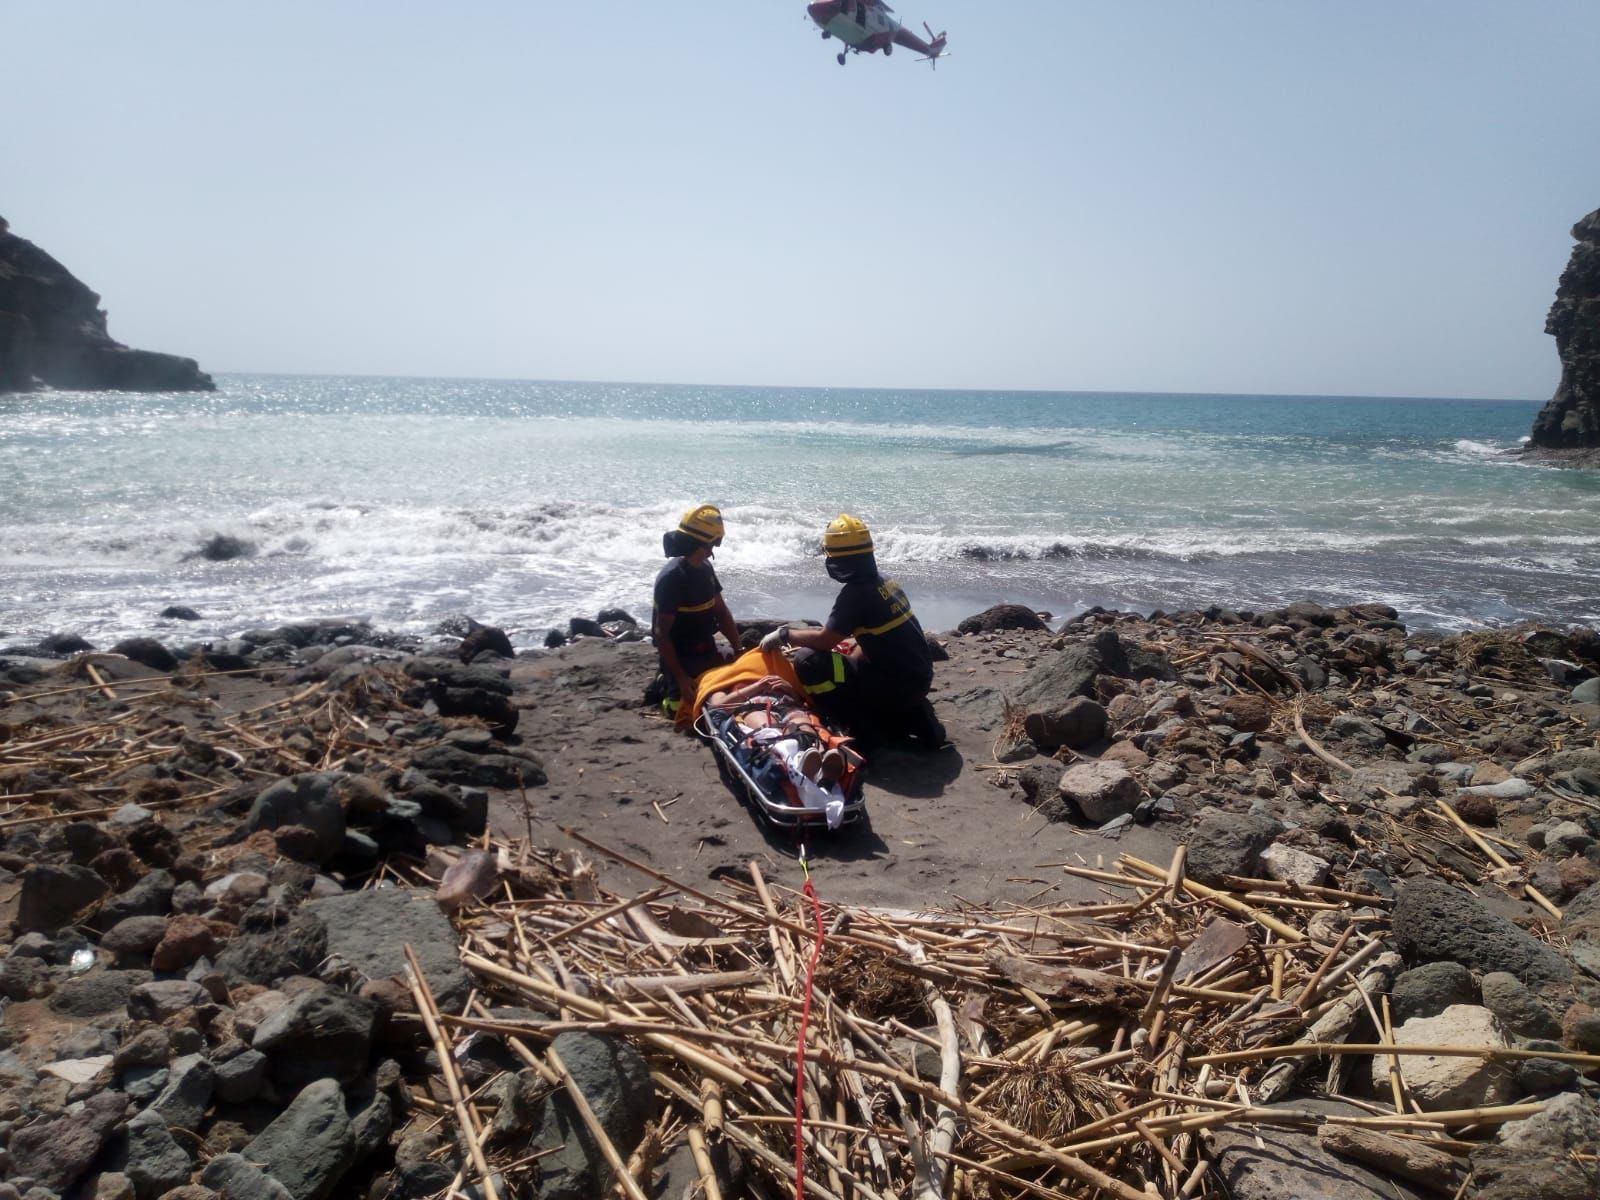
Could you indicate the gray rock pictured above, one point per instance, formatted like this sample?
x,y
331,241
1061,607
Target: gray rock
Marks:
x,y
96,992
1428,990
183,1101
234,1177
1433,921
1266,1163
319,1034
616,1082
1228,844
1532,1159
1565,839
56,1152
310,1145
241,1077
453,763
1102,790
1568,1123
144,1084
1518,1009
151,896
1506,789
163,998
130,941
370,1125
294,948
308,800
1540,1076
52,896
156,1162
1587,692
1078,723
369,930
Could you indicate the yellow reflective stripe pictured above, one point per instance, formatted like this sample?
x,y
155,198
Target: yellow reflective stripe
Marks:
x,y
876,629
706,607
820,689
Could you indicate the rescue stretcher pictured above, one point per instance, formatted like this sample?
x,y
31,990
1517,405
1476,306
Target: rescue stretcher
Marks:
x,y
748,767
753,773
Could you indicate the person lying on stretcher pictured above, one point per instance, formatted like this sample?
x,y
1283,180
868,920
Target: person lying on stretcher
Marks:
x,y
770,715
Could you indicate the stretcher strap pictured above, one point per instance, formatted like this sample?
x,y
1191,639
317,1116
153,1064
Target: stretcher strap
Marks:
x,y
800,1050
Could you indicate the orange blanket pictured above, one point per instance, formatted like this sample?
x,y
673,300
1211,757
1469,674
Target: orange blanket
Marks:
x,y
747,668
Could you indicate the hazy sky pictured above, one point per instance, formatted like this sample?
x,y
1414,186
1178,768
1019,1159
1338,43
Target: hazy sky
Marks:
x,y
1353,196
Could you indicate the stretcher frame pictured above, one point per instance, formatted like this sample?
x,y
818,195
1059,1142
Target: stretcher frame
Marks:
x,y
772,812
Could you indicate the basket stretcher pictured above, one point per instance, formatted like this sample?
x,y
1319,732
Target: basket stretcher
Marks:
x,y
760,780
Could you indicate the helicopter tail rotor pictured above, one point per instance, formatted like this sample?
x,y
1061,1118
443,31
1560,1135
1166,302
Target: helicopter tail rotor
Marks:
x,y
936,50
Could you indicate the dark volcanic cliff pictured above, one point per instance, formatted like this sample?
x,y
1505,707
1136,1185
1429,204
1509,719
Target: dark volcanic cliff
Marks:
x,y
1571,421
53,333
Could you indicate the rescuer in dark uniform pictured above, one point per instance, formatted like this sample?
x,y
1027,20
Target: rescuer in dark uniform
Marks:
x,y
689,609
880,690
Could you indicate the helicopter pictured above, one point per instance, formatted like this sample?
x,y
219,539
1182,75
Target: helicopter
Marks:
x,y
867,25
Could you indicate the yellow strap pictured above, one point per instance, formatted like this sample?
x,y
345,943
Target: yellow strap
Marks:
x,y
877,629
706,607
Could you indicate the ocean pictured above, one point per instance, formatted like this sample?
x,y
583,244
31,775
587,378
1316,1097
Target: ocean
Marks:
x,y
522,504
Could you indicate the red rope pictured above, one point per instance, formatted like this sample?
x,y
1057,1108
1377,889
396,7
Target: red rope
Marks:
x,y
800,1052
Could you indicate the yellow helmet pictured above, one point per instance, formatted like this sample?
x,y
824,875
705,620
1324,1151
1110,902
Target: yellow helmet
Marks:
x,y
846,535
703,524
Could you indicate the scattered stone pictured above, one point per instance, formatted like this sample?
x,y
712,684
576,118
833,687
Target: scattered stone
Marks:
x,y
1428,990
1517,1008
53,895
310,1145
1289,865
616,1082
1080,722
322,1033
1002,617
236,1178
1447,1082
156,1162
1101,790
147,652
55,1153
1224,844
307,800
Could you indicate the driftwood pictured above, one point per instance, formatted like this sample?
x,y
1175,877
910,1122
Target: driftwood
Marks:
x,y
989,1053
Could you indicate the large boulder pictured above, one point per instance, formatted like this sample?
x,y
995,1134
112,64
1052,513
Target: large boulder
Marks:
x,y
1002,616
369,931
1451,1081
1073,672
1435,922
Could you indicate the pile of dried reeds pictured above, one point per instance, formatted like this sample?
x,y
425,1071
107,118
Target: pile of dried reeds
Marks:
x,y
987,1053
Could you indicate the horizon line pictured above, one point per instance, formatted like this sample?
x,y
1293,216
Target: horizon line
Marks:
x,y
805,387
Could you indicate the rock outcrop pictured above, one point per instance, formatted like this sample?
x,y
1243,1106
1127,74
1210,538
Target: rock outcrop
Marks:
x,y
53,334
1570,422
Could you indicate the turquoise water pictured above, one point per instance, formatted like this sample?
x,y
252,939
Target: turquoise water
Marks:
x,y
522,503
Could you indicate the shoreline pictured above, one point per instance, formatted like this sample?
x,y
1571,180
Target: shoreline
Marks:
x,y
209,833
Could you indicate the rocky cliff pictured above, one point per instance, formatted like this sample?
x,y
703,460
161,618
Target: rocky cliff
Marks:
x,y
53,333
1570,423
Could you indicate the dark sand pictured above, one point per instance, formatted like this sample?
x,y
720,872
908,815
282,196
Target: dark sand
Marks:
x,y
941,828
